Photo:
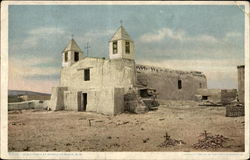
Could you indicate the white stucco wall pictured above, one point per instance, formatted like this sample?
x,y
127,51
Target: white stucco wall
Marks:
x,y
109,80
119,73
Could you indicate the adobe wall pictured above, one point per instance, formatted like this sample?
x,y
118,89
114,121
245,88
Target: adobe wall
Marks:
x,y
228,95
241,83
165,81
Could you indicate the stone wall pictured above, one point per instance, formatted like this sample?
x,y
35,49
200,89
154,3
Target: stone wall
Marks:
x,y
241,83
228,95
165,81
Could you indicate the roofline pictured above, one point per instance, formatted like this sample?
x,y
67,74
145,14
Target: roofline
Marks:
x,y
71,50
121,39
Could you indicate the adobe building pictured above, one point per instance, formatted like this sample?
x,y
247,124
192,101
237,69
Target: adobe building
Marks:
x,y
241,83
99,84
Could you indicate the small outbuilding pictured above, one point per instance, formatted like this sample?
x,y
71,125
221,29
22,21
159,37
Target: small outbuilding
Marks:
x,y
216,96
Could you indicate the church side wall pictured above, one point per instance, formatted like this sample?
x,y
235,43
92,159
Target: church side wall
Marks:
x,y
166,83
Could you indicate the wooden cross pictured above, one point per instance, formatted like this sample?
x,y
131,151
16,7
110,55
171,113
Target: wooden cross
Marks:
x,y
87,48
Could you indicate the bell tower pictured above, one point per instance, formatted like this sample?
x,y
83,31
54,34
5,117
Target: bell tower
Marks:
x,y
121,45
71,54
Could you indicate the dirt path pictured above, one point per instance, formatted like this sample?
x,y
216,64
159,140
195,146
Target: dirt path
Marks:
x,y
71,131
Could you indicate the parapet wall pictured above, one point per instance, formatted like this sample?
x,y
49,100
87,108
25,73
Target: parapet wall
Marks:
x,y
171,84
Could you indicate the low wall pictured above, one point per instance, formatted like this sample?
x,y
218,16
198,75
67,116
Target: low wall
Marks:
x,y
35,97
34,104
222,96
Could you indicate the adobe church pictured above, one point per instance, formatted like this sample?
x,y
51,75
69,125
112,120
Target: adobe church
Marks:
x,y
99,84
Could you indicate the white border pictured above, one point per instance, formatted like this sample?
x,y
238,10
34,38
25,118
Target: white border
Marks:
x,y
113,155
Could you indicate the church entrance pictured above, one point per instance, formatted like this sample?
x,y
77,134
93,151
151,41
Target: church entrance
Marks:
x,y
84,99
83,102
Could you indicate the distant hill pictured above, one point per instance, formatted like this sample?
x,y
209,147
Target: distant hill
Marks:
x,y
21,92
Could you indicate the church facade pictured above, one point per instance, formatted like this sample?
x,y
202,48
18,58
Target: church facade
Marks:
x,y
99,84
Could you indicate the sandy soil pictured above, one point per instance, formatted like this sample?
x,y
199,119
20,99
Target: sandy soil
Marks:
x,y
71,131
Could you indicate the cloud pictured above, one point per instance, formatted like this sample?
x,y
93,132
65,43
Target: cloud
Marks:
x,y
219,73
162,34
233,35
36,36
25,67
181,35
46,31
94,35
23,74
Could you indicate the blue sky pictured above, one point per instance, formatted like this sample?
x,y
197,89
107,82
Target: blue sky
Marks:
x,y
206,38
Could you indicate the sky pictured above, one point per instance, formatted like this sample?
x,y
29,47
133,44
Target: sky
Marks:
x,y
207,38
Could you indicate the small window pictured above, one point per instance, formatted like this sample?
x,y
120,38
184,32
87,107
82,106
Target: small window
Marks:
x,y
127,47
204,98
66,56
76,56
115,47
200,85
86,74
179,84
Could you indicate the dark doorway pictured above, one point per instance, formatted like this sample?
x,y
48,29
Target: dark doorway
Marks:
x,y
84,101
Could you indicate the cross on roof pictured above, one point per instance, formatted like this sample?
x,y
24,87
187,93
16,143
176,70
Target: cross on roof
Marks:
x,y
121,22
72,36
87,47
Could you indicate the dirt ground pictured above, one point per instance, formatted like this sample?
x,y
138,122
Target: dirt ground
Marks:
x,y
33,130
